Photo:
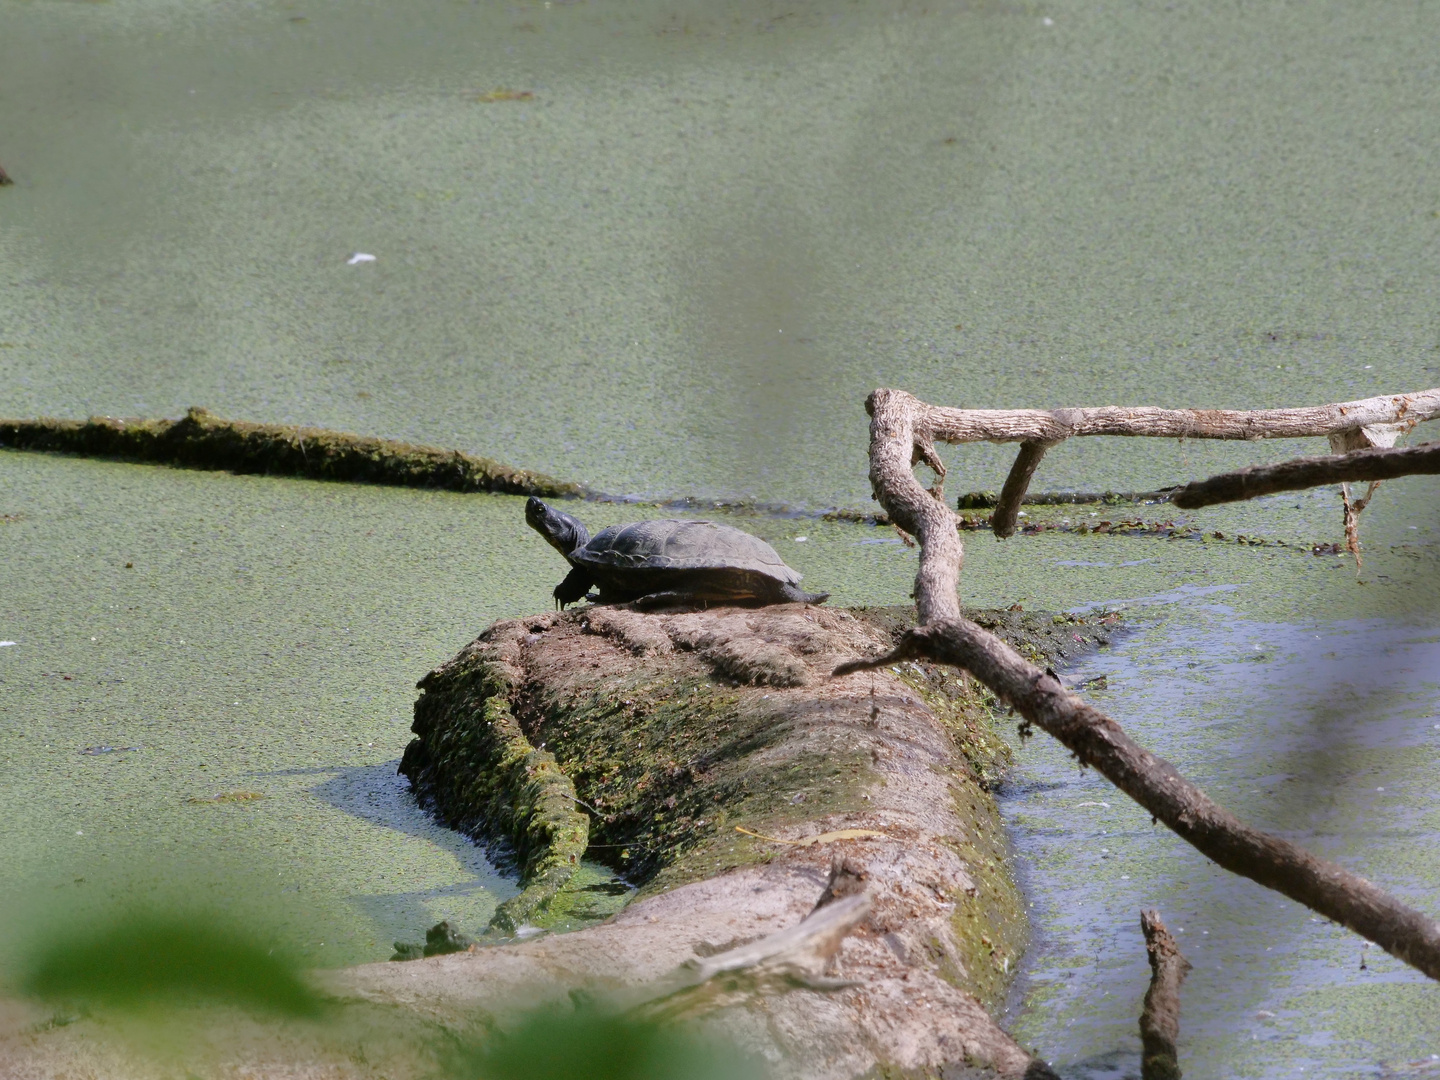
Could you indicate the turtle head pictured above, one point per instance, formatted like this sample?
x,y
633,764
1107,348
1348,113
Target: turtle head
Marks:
x,y
565,534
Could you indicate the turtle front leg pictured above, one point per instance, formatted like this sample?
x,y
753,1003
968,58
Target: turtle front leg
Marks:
x,y
573,589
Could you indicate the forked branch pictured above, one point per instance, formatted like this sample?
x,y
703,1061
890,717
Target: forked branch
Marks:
x,y
1350,425
1099,742
898,420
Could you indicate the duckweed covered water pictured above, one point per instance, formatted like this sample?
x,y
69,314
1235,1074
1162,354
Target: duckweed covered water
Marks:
x,y
676,267
681,263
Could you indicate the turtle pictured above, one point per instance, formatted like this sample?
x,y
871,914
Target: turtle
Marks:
x,y
666,562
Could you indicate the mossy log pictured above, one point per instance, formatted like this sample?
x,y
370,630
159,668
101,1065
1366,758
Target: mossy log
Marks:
x,y
203,440
725,773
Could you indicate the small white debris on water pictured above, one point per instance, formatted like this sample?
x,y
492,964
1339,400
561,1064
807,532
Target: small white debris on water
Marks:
x,y
1124,877
359,257
528,931
7,644
801,539
1047,21
1107,805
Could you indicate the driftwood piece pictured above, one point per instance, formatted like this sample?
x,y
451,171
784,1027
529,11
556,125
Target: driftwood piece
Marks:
x,y
898,419
1380,463
1375,421
1160,1016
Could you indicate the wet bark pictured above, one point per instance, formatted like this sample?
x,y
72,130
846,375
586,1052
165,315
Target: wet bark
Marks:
x,y
1160,1015
1007,509
1379,463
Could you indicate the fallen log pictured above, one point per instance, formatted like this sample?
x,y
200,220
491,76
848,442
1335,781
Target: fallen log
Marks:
x,y
724,773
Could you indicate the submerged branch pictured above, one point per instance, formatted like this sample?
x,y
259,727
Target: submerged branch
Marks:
x,y
1160,1017
205,441
1381,463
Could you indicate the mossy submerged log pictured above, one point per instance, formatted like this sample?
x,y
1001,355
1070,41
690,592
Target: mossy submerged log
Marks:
x,y
202,440
674,729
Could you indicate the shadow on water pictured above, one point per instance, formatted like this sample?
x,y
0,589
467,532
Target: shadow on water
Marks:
x,y
379,795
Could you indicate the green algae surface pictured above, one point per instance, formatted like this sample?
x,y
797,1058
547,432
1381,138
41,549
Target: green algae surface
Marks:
x,y
677,267
681,263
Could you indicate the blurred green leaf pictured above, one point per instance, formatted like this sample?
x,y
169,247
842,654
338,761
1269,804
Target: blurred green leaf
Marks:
x,y
567,1046
144,957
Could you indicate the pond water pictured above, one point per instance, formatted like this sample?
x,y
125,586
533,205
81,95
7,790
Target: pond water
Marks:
x,y
1325,731
666,249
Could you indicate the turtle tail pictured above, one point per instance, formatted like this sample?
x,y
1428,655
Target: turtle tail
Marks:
x,y
798,596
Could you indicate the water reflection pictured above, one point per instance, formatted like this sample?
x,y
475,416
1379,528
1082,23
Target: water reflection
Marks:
x,y
377,794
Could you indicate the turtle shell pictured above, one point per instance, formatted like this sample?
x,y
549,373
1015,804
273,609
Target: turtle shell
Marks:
x,y
670,544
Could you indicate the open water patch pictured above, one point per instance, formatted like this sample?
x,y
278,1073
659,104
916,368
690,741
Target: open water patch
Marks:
x,y
1327,733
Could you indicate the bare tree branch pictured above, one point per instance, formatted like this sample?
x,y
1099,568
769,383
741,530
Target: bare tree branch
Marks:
x,y
902,429
1160,1017
1098,741
1307,472
1349,425
1052,426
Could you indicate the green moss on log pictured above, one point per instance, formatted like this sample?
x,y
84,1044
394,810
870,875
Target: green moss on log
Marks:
x,y
672,761
473,765
202,440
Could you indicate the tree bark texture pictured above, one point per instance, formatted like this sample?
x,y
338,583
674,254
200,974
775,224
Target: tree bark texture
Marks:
x,y
1379,463
1160,1016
